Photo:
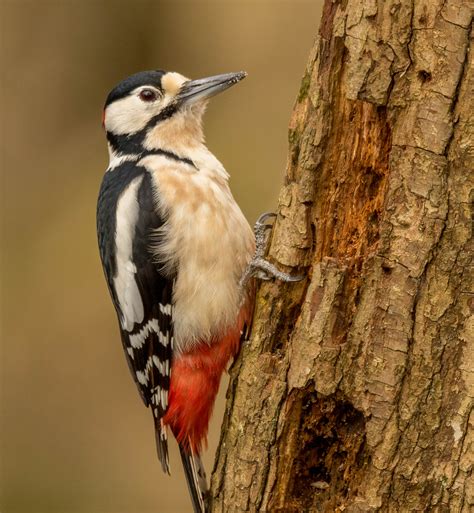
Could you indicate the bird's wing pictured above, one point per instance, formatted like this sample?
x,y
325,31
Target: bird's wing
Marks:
x,y
127,226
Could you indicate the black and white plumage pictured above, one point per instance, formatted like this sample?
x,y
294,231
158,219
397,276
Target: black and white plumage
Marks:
x,y
164,211
142,295
177,254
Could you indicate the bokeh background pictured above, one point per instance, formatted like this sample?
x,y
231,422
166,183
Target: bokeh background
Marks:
x,y
74,434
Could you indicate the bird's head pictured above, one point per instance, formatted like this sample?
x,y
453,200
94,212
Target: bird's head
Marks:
x,y
158,109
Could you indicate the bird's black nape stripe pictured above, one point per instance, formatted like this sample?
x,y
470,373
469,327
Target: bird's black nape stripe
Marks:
x,y
143,78
170,155
141,153
127,144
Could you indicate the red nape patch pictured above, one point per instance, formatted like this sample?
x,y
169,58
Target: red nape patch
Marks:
x,y
103,119
195,378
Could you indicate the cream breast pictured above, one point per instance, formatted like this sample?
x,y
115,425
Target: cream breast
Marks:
x,y
206,240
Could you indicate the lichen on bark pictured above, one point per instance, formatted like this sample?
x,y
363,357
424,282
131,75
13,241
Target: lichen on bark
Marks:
x,y
355,391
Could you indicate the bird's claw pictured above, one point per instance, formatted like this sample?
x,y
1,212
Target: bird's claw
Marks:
x,y
259,267
264,270
263,217
261,232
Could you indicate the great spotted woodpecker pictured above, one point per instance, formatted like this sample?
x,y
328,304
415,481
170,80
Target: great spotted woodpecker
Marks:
x,y
178,255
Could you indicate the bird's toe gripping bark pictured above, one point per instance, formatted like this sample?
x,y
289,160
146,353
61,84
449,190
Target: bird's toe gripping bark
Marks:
x,y
259,267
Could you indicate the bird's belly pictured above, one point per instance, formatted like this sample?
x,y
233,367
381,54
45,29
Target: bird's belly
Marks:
x,y
207,297
209,243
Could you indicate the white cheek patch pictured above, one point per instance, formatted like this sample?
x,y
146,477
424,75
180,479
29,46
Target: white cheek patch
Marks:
x,y
129,115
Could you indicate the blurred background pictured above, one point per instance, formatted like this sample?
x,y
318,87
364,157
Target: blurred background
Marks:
x,y
74,436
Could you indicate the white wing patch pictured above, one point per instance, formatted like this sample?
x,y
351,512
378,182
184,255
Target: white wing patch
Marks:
x,y
126,288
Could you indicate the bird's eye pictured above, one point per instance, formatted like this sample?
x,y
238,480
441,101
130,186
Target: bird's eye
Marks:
x,y
148,95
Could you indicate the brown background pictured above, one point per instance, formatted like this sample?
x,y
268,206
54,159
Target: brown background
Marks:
x,y
74,435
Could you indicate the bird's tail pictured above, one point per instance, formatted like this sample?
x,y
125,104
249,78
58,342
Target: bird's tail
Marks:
x,y
161,438
196,479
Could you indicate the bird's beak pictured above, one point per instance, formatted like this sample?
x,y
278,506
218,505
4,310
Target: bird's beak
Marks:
x,y
203,88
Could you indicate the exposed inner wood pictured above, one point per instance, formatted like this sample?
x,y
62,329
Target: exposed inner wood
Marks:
x,y
329,452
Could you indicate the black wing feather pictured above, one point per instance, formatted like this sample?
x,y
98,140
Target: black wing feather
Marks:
x,y
148,346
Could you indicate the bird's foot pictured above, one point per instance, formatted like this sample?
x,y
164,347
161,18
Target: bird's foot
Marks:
x,y
259,267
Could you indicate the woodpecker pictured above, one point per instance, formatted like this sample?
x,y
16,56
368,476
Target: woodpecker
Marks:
x,y
178,255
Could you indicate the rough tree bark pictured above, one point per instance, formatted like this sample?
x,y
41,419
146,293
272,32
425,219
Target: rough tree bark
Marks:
x,y
355,390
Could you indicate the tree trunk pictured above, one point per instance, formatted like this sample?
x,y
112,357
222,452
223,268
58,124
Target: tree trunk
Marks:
x,y
355,391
